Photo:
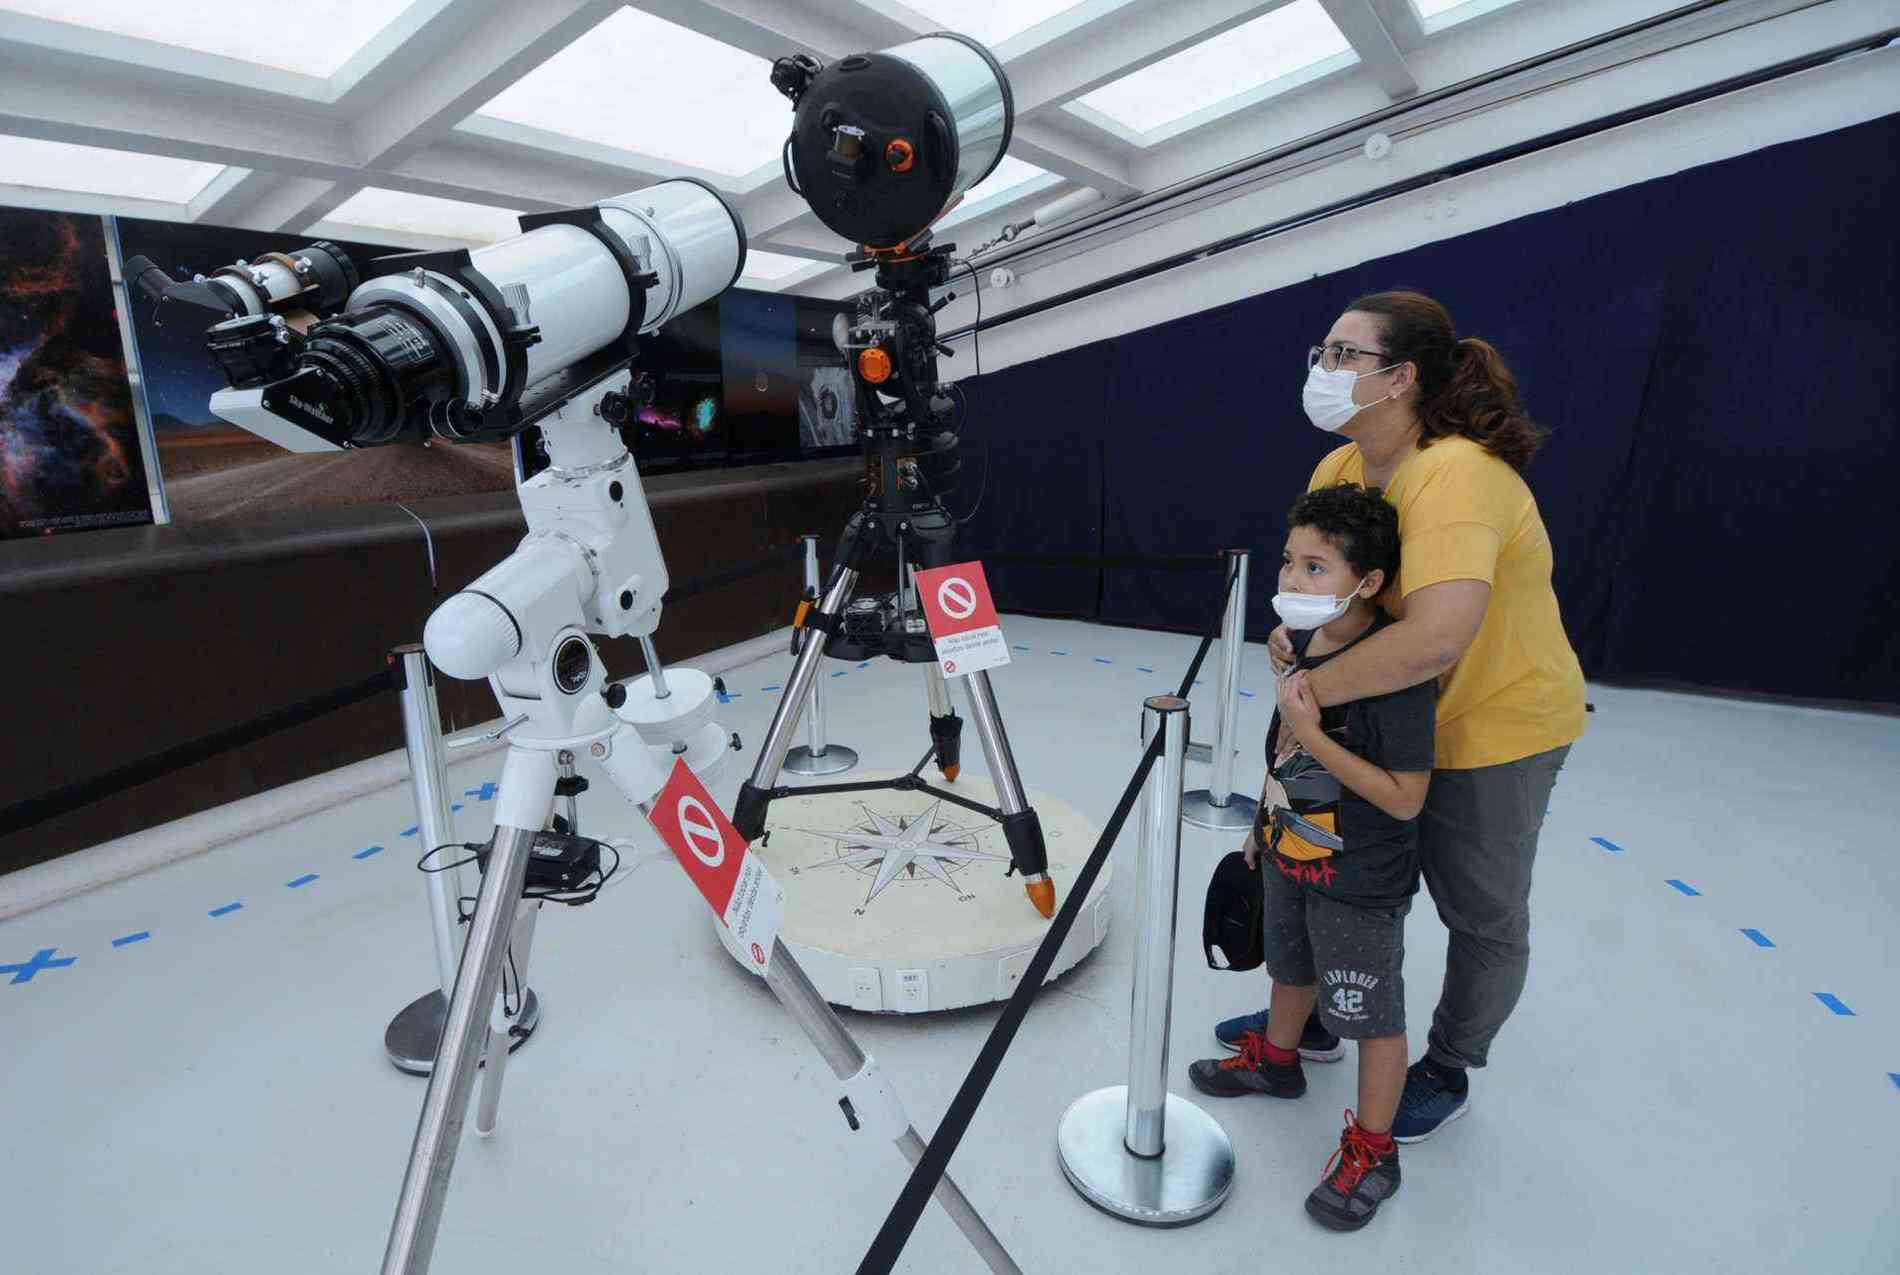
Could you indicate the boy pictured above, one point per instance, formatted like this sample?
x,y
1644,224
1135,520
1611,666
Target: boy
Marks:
x,y
1336,840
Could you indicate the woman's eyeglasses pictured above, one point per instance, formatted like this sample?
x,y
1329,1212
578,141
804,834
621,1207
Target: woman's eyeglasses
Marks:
x,y
1331,356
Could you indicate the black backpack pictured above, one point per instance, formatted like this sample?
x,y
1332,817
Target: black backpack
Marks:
x,y
1231,924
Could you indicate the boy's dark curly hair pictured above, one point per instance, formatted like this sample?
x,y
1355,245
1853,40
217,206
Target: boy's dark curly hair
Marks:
x,y
1355,520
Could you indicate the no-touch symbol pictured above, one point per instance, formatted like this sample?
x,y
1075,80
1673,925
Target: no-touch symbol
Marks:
x,y
40,961
700,831
957,598
758,954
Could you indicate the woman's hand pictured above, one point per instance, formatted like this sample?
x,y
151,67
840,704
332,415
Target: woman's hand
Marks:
x,y
1280,650
1298,708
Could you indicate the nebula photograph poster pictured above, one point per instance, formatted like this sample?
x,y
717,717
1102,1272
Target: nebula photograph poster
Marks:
x,y
69,450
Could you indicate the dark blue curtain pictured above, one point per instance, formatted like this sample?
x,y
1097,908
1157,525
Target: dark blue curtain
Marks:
x,y
1717,354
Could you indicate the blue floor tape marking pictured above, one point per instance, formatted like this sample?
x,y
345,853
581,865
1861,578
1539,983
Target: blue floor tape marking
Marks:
x,y
409,831
1246,694
1140,669
457,806
1100,660
1828,999
841,672
130,939
38,963
227,908
863,666
1021,648
485,793
1758,938
1058,652
1689,890
1611,846
301,881
1895,1077
364,854
767,690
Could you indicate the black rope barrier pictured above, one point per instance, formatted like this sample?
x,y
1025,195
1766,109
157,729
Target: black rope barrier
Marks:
x,y
61,801
732,575
1155,562
891,1238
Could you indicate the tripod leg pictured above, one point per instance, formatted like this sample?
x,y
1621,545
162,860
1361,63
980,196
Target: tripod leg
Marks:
x,y
501,1038
522,807
748,812
1021,826
946,728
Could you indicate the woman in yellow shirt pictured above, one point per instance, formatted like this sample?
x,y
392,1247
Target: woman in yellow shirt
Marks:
x,y
1435,421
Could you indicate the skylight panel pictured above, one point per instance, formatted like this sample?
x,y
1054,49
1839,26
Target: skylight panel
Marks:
x,y
314,37
92,170
395,210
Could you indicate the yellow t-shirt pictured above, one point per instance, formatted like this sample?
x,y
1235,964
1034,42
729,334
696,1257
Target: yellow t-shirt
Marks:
x,y
1466,515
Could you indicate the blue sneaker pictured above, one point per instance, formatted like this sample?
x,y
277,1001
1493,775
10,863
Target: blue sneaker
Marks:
x,y
1428,1103
1316,1043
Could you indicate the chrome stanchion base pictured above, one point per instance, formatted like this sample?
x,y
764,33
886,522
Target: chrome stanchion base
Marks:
x,y
414,1034
835,760
1198,808
1185,1183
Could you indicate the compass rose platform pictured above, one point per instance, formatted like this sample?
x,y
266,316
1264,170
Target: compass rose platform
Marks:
x,y
896,902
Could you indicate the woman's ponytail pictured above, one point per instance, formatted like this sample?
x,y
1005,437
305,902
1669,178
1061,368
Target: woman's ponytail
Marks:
x,y
1465,389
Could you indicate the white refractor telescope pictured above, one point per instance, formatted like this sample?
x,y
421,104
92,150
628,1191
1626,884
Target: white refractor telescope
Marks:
x,y
470,346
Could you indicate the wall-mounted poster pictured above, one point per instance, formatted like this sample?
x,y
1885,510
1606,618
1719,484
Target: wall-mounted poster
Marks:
x,y
216,471
69,448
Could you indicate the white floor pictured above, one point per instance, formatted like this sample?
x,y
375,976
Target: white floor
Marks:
x,y
1671,1096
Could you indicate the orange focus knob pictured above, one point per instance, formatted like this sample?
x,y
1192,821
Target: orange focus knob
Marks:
x,y
900,155
874,365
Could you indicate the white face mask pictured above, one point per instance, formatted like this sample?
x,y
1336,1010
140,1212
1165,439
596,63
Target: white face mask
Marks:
x,y
1328,396
1311,610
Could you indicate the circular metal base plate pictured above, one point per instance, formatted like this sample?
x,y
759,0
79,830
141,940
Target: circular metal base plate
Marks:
x,y
835,760
1185,1183
1237,815
414,1034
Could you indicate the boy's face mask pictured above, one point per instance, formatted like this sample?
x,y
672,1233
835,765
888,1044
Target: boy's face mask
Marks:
x,y
1311,610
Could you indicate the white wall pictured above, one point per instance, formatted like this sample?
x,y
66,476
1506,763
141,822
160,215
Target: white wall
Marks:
x,y
1830,97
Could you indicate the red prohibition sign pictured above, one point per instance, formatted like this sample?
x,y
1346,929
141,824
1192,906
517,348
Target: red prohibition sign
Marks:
x,y
957,598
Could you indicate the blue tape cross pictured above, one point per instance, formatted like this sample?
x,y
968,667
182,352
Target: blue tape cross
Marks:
x,y
130,939
485,793
1828,999
40,962
1611,846
410,831
1758,938
301,881
226,909
1895,1077
1689,890
364,854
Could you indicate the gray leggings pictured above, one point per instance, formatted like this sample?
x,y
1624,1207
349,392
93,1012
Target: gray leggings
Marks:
x,y
1477,841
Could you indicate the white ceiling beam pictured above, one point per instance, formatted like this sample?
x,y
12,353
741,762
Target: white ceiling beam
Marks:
x,y
1372,40
773,28
618,169
1134,36
74,201
1062,146
46,45
510,40
264,200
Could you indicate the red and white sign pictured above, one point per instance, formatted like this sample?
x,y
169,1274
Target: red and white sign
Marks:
x,y
962,619
716,857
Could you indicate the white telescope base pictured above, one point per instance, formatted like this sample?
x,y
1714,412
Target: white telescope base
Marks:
x,y
943,933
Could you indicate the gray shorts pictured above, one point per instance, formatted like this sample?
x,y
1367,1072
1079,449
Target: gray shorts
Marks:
x,y
1355,954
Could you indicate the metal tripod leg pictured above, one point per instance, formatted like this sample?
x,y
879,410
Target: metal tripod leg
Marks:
x,y
748,813
1022,829
521,812
787,981
946,728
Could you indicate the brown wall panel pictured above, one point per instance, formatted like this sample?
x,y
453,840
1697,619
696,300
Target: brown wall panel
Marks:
x,y
126,642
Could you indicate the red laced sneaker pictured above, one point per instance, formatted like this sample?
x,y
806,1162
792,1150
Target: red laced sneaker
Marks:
x,y
1248,1072
1362,1174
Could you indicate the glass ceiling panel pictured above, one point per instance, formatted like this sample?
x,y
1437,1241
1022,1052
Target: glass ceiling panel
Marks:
x,y
400,211
1232,65
643,84
1009,175
93,170
1453,11
763,268
315,37
991,21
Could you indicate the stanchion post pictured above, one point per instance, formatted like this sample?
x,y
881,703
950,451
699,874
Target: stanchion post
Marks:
x,y
1137,1151
1217,806
411,1038
818,756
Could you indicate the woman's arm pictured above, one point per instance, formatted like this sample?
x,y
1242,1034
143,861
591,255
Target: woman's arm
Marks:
x,y
1440,622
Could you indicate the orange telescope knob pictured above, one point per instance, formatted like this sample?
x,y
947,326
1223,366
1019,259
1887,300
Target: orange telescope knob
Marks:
x,y
874,365
900,155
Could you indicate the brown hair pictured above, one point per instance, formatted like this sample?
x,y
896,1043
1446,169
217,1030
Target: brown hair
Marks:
x,y
1464,386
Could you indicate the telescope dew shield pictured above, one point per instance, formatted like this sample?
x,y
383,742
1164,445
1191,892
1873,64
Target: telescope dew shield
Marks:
x,y
885,143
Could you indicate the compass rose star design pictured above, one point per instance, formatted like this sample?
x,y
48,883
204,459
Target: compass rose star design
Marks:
x,y
909,848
